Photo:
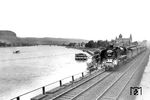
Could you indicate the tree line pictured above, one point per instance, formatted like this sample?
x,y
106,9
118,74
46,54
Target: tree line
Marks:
x,y
96,44
90,44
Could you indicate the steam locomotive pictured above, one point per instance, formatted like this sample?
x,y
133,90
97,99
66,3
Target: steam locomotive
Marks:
x,y
110,58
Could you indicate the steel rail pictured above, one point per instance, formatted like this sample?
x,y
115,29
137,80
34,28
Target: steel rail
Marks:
x,y
99,97
128,81
97,83
53,98
84,89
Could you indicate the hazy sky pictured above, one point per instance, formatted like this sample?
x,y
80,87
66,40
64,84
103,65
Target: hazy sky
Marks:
x,y
86,19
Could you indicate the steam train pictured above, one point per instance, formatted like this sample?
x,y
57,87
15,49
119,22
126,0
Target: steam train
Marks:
x,y
111,58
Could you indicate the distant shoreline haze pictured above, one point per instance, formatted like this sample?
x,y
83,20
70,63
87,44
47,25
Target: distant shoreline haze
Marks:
x,y
9,38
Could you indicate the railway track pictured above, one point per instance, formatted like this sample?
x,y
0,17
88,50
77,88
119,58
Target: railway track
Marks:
x,y
112,87
115,89
101,83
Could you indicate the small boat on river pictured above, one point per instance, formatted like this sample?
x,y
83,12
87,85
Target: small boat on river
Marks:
x,y
16,52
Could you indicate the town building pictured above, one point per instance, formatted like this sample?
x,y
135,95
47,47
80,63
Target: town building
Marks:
x,y
120,41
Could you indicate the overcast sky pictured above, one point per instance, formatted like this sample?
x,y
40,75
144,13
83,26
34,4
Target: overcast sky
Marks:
x,y
85,19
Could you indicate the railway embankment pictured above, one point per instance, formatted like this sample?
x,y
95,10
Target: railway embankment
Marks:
x,y
107,85
136,79
103,85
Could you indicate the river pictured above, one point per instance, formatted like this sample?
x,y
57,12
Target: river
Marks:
x,y
34,67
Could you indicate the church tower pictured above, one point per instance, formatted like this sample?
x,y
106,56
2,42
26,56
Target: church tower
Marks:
x,y
116,38
120,36
131,37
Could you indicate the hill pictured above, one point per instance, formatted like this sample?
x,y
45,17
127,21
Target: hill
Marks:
x,y
50,41
11,38
8,36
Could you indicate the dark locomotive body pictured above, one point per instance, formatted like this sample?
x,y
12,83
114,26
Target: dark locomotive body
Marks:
x,y
111,58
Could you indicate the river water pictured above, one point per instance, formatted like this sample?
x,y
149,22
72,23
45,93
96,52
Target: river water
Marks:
x,y
35,67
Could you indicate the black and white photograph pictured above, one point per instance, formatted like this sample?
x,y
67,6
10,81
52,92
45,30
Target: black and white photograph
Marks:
x,y
74,50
